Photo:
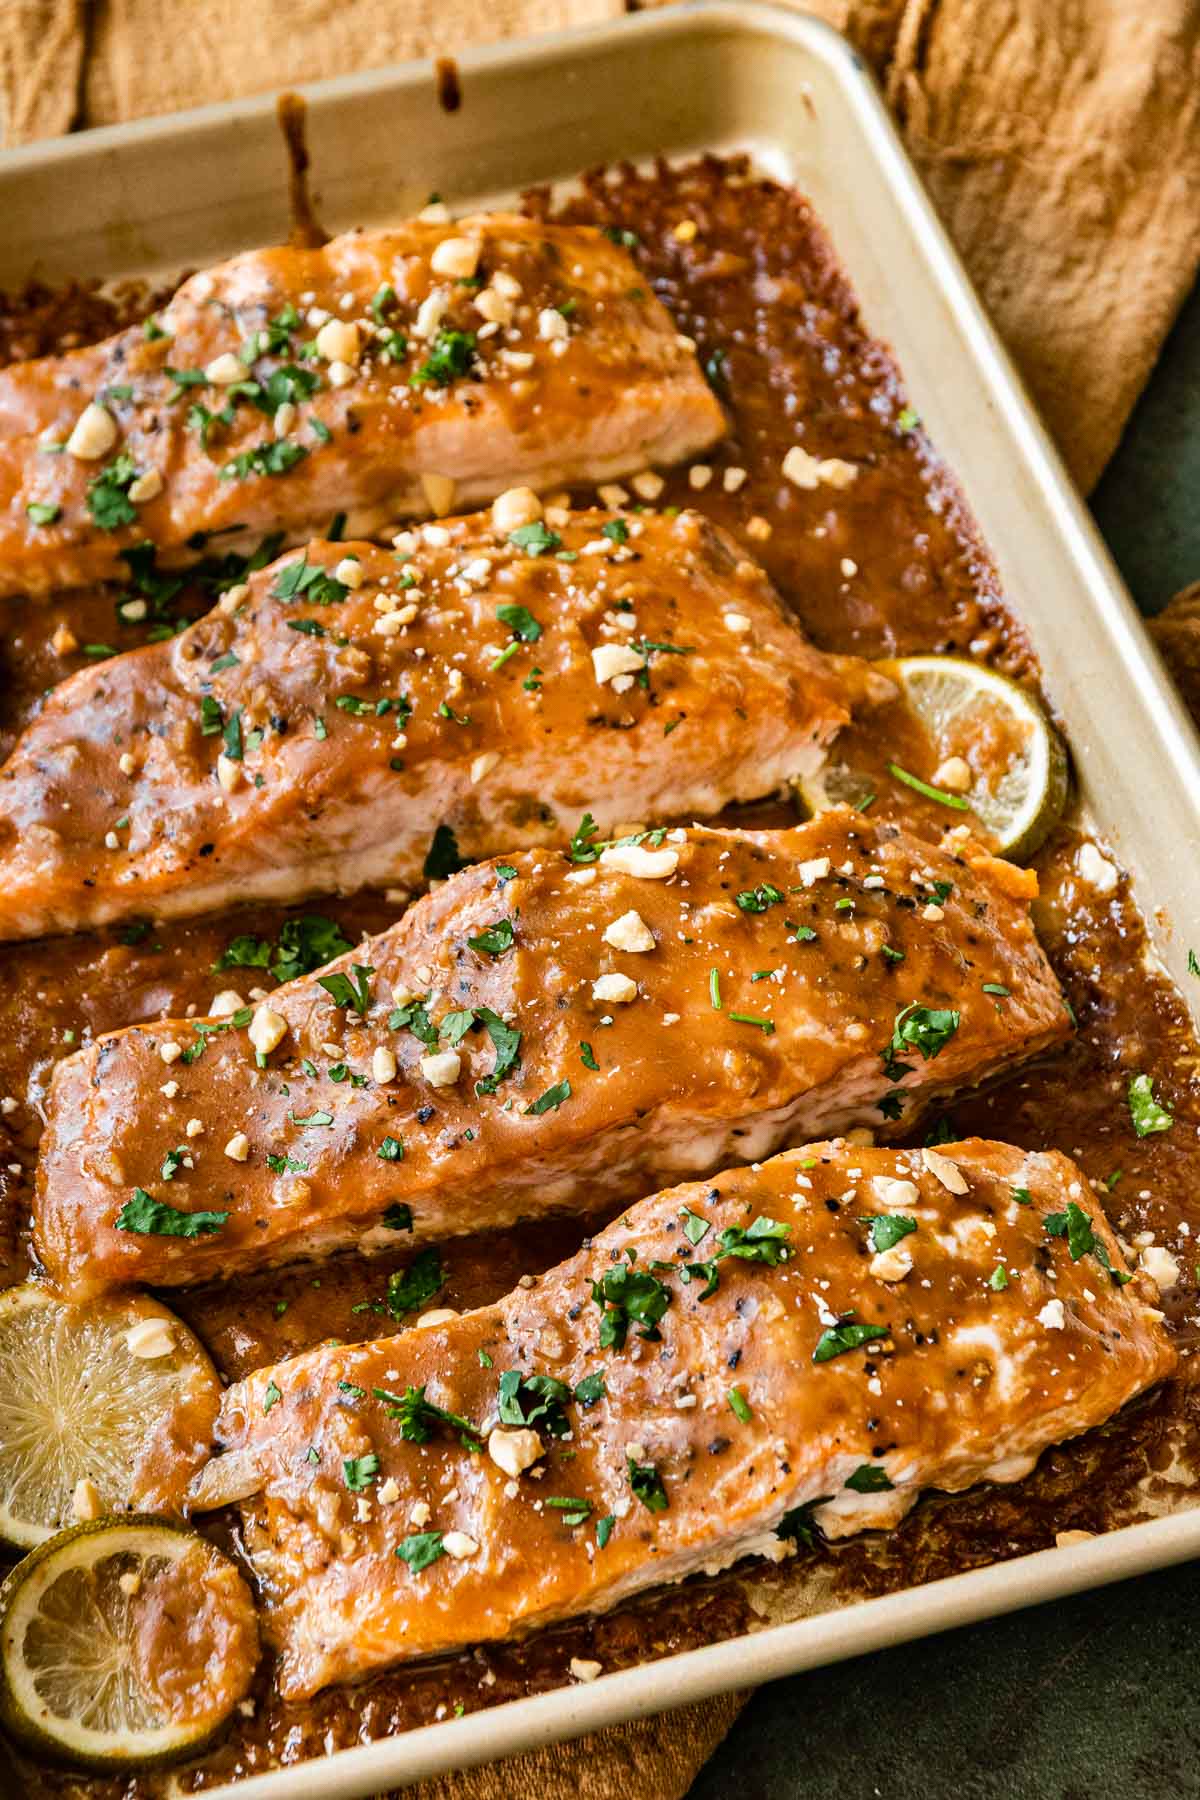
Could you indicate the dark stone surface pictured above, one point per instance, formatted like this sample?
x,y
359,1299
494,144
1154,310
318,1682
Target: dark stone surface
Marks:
x,y
1094,1698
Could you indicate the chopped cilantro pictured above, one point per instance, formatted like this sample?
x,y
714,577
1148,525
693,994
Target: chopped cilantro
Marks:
x,y
837,1339
409,1289
869,1478
360,1471
1076,1226
154,1218
418,1417
494,940
1147,1115
275,457
647,1486
587,1055
591,1389
628,1296
420,1549
392,1150
762,1241
43,512
349,994
442,858
757,900
520,621
922,1028
552,1099
534,1400
536,540
887,1229
450,357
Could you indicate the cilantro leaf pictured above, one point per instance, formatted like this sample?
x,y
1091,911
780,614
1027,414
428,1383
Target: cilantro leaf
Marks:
x,y
551,1099
420,1549
349,994
409,1289
107,494
534,1400
451,356
1147,1115
869,1478
442,858
495,939
647,1485
837,1339
306,944
887,1229
520,621
418,1417
536,540
360,1471
154,1218
628,1296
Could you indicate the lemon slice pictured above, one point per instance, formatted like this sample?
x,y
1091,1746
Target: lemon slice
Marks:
x,y
124,1643
103,1407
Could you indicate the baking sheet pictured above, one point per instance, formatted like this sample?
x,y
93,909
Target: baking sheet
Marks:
x,y
165,194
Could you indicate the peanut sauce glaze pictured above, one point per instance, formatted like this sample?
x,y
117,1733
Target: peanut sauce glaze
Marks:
x,y
888,566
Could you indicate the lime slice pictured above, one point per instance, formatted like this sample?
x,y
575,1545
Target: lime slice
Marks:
x,y
837,784
1018,780
124,1643
103,1407
991,750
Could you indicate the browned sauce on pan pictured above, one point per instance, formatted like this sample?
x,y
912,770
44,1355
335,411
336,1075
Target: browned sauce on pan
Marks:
x,y
449,85
307,232
889,566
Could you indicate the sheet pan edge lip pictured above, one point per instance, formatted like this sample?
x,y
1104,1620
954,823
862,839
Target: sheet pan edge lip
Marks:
x,y
653,1687
745,17
696,1675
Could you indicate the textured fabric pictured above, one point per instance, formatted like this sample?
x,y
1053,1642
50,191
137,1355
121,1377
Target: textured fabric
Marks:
x,y
1060,140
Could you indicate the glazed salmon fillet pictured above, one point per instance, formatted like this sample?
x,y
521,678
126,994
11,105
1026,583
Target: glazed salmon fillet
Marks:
x,y
539,1035
387,375
833,1330
354,717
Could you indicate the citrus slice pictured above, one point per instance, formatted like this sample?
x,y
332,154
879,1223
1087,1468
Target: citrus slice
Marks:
x,y
991,751
1017,761
837,784
124,1643
104,1407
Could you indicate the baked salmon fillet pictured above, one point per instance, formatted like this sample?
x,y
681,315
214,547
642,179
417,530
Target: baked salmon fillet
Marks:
x,y
833,1330
355,717
539,1035
387,375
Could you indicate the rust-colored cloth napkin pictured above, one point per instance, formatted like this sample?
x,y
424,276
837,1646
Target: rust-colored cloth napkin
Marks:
x,y
1061,142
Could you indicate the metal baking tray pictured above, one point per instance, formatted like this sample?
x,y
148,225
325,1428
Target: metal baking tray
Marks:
x,y
169,193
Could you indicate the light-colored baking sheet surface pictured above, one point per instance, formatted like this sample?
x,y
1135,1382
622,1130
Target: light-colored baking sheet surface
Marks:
x,y
169,194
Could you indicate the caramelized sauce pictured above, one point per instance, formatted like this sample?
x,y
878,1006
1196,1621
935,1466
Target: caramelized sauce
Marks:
x,y
888,566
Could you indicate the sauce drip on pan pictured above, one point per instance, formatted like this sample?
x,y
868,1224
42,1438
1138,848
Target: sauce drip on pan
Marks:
x,y
449,86
307,232
890,565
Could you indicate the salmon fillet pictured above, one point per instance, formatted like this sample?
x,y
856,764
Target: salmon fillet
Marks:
x,y
314,735
387,375
537,1036
834,1330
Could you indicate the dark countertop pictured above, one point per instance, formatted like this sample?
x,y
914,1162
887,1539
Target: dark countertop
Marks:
x,y
1093,1698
